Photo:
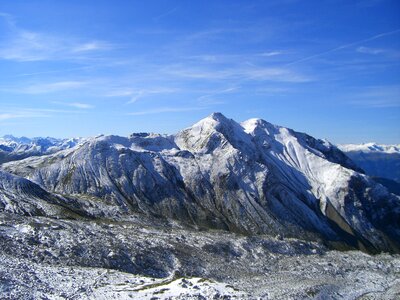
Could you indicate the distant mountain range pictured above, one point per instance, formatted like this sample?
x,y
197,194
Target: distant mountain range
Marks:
x,y
13,148
382,161
251,177
370,148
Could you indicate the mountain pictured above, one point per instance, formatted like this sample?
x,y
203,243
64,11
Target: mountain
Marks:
x,y
370,147
14,148
391,185
23,197
381,161
252,178
220,210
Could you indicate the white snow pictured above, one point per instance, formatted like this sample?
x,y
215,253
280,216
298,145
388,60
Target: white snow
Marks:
x,y
370,147
216,151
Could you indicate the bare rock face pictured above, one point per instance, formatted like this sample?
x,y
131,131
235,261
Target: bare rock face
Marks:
x,y
252,177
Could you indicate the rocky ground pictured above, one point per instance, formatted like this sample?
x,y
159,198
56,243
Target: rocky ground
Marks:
x,y
139,258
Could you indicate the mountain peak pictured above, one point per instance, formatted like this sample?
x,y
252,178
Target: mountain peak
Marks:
x,y
254,122
22,140
214,119
255,125
217,116
207,134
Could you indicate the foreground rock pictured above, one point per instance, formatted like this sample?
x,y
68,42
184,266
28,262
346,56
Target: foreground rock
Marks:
x,y
70,259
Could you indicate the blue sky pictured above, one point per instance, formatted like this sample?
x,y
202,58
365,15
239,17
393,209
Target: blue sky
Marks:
x,y
79,68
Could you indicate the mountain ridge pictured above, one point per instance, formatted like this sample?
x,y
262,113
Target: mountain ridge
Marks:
x,y
14,148
377,160
252,177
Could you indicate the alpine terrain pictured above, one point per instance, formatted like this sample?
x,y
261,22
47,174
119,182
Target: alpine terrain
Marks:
x,y
382,162
220,210
13,148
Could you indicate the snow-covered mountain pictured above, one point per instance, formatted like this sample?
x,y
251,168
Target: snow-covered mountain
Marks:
x,y
376,160
14,148
370,147
220,210
252,177
23,197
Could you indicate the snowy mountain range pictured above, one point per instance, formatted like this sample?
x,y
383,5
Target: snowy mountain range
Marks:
x,y
379,161
13,148
252,177
370,147
178,206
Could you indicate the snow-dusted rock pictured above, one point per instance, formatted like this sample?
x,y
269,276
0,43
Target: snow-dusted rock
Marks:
x,y
370,147
382,161
14,148
252,177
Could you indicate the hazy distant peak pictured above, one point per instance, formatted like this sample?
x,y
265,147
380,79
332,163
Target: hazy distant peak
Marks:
x,y
370,147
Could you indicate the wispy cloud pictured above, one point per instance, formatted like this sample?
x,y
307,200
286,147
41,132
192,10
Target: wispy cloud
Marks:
x,y
271,53
8,18
241,73
273,90
234,58
276,74
368,50
52,71
92,46
349,45
8,116
46,88
377,97
165,14
119,92
247,34
211,98
28,46
136,94
29,113
75,104
25,45
23,114
164,110
378,51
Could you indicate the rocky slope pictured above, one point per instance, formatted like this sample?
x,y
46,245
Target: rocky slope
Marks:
x,y
253,178
221,210
49,258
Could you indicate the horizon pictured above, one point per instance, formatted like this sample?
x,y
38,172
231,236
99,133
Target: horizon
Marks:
x,y
11,136
331,69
